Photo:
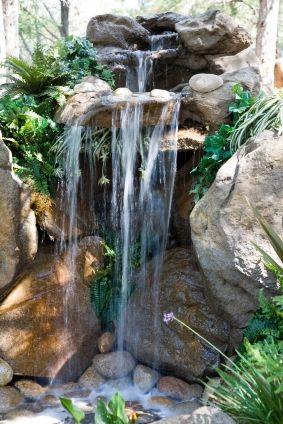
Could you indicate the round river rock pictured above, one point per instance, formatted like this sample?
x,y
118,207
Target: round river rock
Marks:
x,y
6,373
205,83
114,364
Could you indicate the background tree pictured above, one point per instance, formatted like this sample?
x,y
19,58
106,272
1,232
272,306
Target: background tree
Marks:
x,y
10,9
65,12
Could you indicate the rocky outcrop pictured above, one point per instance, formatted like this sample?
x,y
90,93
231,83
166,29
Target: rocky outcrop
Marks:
x,y
18,233
212,108
170,347
49,314
213,32
160,21
224,228
218,64
116,31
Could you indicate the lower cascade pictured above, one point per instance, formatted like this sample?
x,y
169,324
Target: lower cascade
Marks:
x,y
140,251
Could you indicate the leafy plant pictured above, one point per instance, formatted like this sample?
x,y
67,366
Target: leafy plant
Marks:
x,y
75,411
217,146
113,413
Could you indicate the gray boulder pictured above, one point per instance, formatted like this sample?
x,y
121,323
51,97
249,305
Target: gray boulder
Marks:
x,y
213,32
116,31
203,415
160,21
224,228
114,364
218,64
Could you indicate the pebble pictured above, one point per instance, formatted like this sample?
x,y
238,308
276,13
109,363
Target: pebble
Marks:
x,y
205,83
161,94
123,92
158,402
106,342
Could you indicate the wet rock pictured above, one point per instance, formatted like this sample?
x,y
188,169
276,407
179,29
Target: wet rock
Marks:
x,y
52,341
78,393
181,290
213,32
159,402
30,389
50,400
160,21
62,388
123,92
219,64
106,342
184,408
18,233
91,379
120,383
145,378
205,414
19,413
115,364
212,108
6,373
224,228
10,398
179,389
205,83
162,94
116,31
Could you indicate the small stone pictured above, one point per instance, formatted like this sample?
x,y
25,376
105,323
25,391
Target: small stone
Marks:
x,y
161,94
92,84
91,379
205,83
186,407
106,342
123,92
145,378
6,373
50,400
62,388
158,402
209,389
30,389
179,389
10,398
78,394
114,364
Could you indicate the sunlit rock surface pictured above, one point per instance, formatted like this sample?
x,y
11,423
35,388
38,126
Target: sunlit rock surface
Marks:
x,y
47,325
224,228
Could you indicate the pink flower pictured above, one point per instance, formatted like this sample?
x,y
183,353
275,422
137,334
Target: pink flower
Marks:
x,y
167,317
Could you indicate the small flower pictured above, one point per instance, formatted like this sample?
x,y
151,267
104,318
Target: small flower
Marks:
x,y
167,317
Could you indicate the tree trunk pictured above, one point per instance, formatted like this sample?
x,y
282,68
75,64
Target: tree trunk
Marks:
x,y
65,10
267,26
11,26
2,42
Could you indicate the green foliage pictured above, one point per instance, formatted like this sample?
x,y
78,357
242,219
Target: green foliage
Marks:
x,y
113,413
106,288
29,137
76,412
252,391
217,147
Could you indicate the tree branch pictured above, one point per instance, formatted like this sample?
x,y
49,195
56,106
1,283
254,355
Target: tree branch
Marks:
x,y
51,16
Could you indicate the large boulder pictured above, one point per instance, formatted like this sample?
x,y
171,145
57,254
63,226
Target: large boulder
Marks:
x,y
18,233
218,64
212,108
203,415
213,32
116,31
224,228
49,315
171,348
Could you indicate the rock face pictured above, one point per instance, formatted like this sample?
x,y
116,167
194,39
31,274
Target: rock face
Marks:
x,y
49,313
224,227
18,233
6,373
160,21
116,31
170,347
212,108
179,389
219,64
213,32
115,364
